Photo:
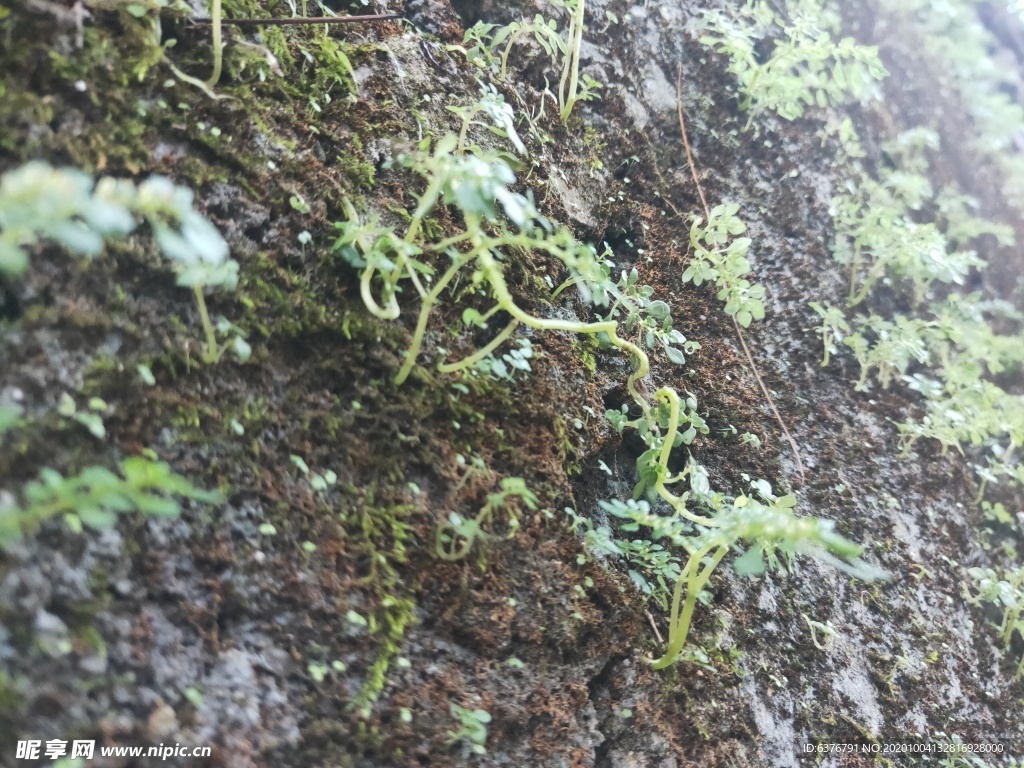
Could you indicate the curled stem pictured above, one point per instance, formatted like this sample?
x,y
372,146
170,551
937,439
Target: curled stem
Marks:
x,y
421,324
481,353
388,312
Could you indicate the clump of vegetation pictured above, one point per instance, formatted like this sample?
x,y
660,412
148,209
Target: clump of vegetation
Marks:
x,y
955,39
94,497
717,260
896,344
498,221
486,38
38,202
645,317
878,236
653,567
768,527
898,230
806,65
1006,589
482,41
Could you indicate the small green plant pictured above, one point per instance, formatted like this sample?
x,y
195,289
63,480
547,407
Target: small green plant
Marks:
x,y
199,256
91,418
818,629
655,567
501,118
896,229
318,481
958,214
1005,589
662,429
648,320
543,31
96,495
454,538
511,366
717,260
151,16
477,46
903,248
39,202
769,528
479,187
481,42
472,729
896,344
805,67
318,672
833,328
879,234
842,130
748,438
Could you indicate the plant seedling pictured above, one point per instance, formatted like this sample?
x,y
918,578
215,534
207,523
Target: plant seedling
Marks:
x,y
472,728
724,263
454,538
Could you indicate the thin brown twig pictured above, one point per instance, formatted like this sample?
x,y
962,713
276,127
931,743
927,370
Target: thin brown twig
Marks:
x,y
686,141
284,22
736,325
654,627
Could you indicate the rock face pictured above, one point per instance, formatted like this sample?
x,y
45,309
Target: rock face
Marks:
x,y
306,623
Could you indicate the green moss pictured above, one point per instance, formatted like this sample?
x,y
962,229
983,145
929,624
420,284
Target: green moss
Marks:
x,y
361,174
281,303
188,422
107,67
381,533
564,447
104,370
587,347
394,618
597,146
197,173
